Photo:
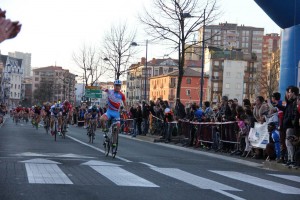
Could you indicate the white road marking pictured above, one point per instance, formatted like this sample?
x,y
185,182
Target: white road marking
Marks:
x,y
277,187
42,171
79,141
288,177
197,181
118,175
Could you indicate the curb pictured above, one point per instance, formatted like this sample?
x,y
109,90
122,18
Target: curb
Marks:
x,y
272,165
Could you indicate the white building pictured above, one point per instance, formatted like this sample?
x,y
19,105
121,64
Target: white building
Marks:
x,y
233,79
12,91
26,61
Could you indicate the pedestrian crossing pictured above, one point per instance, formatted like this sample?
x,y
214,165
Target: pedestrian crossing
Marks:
x,y
43,171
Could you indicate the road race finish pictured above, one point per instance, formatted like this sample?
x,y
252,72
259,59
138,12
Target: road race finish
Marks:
x,y
286,14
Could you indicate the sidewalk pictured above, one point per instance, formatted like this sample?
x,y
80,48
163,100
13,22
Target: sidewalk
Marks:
x,y
271,165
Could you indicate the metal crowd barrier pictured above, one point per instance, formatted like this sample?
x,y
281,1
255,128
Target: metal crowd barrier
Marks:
x,y
215,135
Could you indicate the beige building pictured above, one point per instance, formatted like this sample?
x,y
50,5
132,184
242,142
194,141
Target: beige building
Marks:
x,y
59,83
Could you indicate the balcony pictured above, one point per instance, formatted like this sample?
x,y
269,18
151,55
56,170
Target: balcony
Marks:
x,y
154,87
161,86
131,98
137,97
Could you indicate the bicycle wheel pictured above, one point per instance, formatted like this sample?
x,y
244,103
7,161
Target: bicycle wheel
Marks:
x,y
114,141
106,145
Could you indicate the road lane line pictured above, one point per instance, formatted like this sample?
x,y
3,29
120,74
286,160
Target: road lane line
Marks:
x,y
97,149
288,177
277,187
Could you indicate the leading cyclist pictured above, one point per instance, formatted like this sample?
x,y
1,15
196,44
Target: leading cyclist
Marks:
x,y
114,100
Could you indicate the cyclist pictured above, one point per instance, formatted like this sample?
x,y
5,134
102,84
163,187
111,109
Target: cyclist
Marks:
x,y
114,99
46,112
37,115
18,113
56,112
92,115
66,111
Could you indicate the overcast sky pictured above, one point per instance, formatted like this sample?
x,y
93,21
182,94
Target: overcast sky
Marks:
x,y
53,29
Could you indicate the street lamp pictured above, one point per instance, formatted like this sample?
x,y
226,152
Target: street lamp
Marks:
x,y
188,15
146,67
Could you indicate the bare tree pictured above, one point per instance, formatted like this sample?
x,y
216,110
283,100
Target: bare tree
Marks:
x,y
117,50
268,78
44,92
90,62
177,21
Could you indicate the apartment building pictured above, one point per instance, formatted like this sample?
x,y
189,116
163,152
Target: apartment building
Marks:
x,y
165,87
232,36
59,83
11,71
231,73
26,61
137,76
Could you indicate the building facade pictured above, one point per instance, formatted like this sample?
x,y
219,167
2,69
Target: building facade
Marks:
x,y
26,61
137,90
12,90
165,87
231,73
231,36
56,82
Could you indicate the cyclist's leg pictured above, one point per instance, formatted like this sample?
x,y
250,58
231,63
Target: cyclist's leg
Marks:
x,y
103,119
116,116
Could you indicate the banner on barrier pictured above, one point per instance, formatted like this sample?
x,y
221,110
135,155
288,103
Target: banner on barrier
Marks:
x,y
259,136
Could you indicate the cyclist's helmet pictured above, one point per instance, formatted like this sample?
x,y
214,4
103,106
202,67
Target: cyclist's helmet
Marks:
x,y
66,102
117,82
94,108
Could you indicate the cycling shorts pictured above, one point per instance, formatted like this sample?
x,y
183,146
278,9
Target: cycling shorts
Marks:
x,y
112,114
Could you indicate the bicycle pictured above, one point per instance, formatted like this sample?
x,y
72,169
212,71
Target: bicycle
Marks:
x,y
47,124
91,129
111,138
55,127
64,127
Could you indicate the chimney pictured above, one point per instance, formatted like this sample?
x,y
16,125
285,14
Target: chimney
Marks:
x,y
143,61
153,61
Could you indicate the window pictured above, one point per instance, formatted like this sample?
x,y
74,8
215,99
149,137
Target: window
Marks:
x,y
188,81
36,78
15,86
227,85
12,85
188,92
228,74
36,73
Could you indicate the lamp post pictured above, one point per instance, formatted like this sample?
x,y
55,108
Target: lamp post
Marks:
x,y
146,68
188,15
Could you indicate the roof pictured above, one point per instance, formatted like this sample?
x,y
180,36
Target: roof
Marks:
x,y
52,68
188,72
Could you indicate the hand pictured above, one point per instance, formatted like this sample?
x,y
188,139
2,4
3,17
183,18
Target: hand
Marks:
x,y
8,29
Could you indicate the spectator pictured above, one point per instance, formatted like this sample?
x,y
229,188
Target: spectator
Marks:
x,y
224,113
208,112
133,113
145,115
236,101
273,147
289,120
179,110
249,122
246,103
197,115
260,110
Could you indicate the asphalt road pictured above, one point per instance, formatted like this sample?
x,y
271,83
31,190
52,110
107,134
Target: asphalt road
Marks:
x,y
34,166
